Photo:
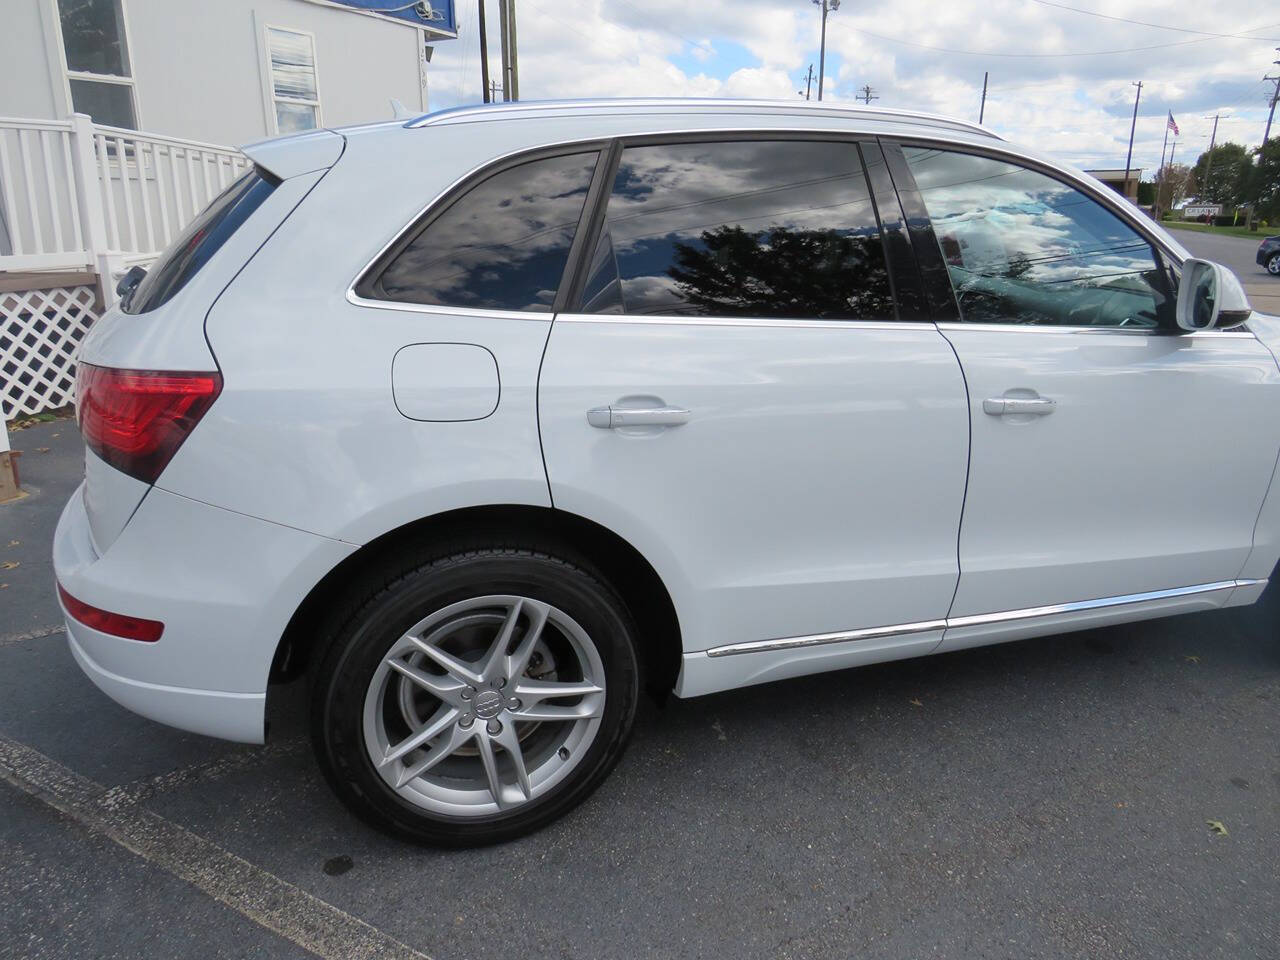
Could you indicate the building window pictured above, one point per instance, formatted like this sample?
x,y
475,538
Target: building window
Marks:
x,y
96,50
295,92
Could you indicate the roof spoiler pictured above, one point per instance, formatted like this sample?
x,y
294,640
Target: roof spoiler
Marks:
x,y
286,157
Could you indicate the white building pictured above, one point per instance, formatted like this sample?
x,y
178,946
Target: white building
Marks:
x,y
119,121
218,71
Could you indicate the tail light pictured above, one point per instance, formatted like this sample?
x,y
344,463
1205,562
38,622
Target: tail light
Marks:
x,y
104,621
136,420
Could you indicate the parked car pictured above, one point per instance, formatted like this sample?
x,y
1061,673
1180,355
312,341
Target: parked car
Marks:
x,y
489,420
1269,255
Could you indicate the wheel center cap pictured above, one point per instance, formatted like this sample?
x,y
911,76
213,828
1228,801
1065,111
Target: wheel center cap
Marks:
x,y
488,704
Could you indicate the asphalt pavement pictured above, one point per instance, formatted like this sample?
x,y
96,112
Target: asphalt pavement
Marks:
x,y
1049,798
1240,254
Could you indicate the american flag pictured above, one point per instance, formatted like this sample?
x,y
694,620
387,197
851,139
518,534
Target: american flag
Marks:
x,y
1173,126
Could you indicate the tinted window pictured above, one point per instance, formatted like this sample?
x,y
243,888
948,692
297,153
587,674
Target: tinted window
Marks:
x,y
200,240
1022,247
758,229
502,246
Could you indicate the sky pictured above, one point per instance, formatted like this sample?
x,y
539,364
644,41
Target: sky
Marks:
x,y
1060,80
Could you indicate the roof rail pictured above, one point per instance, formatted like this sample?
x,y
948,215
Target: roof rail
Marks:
x,y
528,108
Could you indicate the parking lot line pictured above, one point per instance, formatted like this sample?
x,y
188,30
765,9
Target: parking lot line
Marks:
x,y
35,634
264,898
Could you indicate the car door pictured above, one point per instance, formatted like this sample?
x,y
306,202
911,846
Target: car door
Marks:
x,y
734,392
1114,459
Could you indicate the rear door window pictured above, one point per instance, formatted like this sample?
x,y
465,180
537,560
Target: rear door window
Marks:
x,y
503,245
753,228
201,239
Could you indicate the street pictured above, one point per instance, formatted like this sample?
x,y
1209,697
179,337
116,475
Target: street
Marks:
x,y
1240,255
1048,798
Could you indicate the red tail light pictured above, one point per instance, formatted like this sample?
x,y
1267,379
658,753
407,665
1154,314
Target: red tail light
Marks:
x,y
136,420
104,621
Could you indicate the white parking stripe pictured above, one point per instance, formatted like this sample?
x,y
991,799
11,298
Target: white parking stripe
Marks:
x,y
209,770
264,898
35,634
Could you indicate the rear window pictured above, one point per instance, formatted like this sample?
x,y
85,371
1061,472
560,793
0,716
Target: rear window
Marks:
x,y
200,240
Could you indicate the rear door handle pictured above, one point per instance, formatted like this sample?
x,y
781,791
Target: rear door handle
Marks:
x,y
608,418
1028,406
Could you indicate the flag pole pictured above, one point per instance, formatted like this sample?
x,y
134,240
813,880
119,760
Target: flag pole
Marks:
x,y
1160,172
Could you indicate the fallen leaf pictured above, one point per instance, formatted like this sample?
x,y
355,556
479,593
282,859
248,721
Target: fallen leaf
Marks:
x,y
1218,828
1120,804
915,703
4,586
14,543
1191,659
42,449
8,565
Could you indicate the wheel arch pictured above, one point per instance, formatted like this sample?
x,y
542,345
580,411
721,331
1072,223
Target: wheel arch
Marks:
x,y
626,569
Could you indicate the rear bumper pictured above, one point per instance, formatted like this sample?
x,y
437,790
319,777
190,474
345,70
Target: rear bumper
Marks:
x,y
223,584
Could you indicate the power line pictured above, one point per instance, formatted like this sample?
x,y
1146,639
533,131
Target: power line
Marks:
x,y
1145,23
1035,56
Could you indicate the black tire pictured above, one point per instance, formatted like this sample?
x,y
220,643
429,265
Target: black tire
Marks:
x,y
356,649
1273,264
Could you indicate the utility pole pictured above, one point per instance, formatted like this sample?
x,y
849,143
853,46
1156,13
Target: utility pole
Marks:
x,y
515,50
867,95
492,93
484,55
808,83
982,110
1208,166
1274,97
506,49
828,6
1128,160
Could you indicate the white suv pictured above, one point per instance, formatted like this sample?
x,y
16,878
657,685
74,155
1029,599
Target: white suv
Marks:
x,y
488,419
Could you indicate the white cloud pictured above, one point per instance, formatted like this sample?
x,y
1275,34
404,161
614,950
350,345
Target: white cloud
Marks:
x,y
1074,107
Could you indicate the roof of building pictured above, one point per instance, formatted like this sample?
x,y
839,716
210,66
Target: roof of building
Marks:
x,y
528,109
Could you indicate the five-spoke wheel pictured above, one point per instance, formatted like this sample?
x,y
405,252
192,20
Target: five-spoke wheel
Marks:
x,y
477,696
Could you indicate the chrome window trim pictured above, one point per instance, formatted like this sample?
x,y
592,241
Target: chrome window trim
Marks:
x,y
1127,331
406,306
665,319
977,620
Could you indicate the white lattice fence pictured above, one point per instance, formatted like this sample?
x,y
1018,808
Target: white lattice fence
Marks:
x,y
40,331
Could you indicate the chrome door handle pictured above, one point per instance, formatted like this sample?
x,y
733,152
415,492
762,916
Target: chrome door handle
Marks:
x,y
1028,406
608,418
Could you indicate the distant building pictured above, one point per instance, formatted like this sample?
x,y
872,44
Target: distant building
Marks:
x,y
1117,180
219,71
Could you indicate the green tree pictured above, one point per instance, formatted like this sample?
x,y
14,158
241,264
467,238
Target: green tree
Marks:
x,y
1265,185
799,273
1175,182
1227,179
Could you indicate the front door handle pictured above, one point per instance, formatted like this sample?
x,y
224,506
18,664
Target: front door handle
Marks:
x,y
1028,406
608,418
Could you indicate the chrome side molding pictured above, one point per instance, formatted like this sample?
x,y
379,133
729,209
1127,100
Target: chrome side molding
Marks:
x,y
982,619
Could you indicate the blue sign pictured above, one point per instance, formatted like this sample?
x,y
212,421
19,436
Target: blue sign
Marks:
x,y
432,14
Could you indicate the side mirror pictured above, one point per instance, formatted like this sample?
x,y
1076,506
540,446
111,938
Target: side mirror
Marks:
x,y
1209,295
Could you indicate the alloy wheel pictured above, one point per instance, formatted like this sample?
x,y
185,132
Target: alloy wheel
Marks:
x,y
484,706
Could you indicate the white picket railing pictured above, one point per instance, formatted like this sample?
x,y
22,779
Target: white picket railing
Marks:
x,y
74,194
80,202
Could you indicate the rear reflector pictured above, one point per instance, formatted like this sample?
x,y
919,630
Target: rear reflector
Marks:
x,y
136,420
104,621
